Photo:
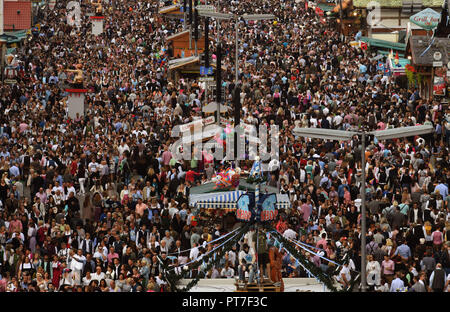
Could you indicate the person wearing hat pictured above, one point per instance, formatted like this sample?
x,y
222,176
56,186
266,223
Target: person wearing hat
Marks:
x,y
67,280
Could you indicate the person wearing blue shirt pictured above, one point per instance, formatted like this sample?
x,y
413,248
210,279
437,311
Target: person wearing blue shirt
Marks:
x,y
403,251
14,171
442,188
397,284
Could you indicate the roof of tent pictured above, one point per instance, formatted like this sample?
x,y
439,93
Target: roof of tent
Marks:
x,y
210,188
384,44
227,200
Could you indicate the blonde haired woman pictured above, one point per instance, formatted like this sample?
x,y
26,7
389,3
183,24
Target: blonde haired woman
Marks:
x,y
373,270
40,282
427,232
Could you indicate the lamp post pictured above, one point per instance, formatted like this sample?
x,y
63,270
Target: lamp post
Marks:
x,y
340,135
236,100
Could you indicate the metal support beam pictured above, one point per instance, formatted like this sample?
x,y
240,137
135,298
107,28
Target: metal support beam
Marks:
x,y
363,214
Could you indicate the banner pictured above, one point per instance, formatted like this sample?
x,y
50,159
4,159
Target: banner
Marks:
x,y
267,203
427,19
245,205
264,211
439,84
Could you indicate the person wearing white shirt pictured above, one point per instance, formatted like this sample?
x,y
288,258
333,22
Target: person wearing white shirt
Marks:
x,y
232,256
57,187
77,265
246,263
87,279
373,270
227,271
70,189
194,252
344,275
64,251
100,254
98,275
290,234
122,148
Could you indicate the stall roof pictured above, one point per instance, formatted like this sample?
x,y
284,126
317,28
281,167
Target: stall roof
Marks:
x,y
180,34
190,60
378,43
395,3
243,185
419,44
227,200
169,9
327,7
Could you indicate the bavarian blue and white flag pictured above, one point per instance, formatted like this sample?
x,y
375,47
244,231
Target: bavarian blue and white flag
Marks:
x,y
255,172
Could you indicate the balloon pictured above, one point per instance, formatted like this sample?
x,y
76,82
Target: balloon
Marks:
x,y
228,129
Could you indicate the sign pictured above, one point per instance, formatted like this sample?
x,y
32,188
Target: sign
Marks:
x,y
225,121
51,4
437,64
268,204
376,58
202,79
244,203
190,125
427,19
437,56
439,84
205,70
380,66
199,122
265,210
209,120
205,8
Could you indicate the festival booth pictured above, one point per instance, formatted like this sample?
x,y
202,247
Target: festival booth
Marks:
x,y
173,11
227,200
97,24
429,58
397,65
184,45
75,103
184,67
256,212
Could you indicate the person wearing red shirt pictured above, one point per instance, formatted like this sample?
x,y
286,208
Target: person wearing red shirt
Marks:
x,y
190,175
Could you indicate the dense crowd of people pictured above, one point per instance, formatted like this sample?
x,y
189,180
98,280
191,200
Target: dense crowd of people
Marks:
x,y
94,203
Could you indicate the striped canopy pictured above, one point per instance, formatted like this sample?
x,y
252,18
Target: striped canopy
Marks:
x,y
227,200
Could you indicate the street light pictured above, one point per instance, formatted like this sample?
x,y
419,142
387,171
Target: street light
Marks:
x,y
229,16
236,100
340,135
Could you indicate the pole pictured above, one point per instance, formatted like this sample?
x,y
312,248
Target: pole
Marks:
x,y
195,30
206,42
190,12
218,21
3,43
1,18
340,17
218,81
237,51
258,273
363,213
185,15
237,121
